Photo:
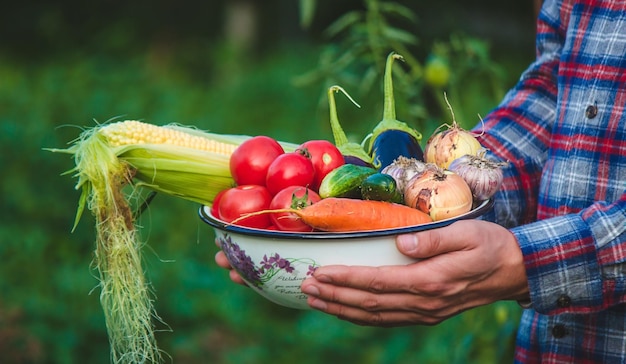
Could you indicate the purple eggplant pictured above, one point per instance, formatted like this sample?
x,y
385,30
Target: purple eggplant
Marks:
x,y
350,159
392,143
392,138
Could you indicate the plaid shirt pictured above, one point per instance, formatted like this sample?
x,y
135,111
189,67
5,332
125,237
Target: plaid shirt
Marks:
x,y
563,130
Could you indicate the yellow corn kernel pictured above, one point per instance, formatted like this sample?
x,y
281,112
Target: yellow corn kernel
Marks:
x,y
132,132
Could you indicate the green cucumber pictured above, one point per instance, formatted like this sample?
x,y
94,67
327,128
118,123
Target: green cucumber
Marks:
x,y
345,181
381,187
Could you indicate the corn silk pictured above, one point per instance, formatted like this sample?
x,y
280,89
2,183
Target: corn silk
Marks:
x,y
113,163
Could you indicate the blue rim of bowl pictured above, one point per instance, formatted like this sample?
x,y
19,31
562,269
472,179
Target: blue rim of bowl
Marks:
x,y
205,215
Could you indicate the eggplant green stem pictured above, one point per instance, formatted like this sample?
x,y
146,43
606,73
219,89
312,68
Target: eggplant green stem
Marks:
x,y
341,140
389,121
389,106
338,134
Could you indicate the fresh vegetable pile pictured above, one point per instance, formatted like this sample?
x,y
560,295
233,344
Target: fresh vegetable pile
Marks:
x,y
257,181
314,188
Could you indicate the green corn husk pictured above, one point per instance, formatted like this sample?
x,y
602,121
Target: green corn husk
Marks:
x,y
109,177
186,173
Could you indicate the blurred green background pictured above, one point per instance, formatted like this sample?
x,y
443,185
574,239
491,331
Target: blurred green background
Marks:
x,y
242,67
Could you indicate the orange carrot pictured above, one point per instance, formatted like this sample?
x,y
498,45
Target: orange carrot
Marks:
x,y
336,214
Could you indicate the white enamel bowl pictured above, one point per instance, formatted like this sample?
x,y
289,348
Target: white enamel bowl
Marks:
x,y
274,263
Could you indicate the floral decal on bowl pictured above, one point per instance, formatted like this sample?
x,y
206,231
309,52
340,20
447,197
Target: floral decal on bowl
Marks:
x,y
268,267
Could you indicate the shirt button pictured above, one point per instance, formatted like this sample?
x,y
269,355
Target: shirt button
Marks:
x,y
564,301
591,111
559,331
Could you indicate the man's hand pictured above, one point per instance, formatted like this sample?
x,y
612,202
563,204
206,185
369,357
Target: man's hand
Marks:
x,y
220,259
464,265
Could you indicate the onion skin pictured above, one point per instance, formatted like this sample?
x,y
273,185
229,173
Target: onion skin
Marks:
x,y
483,176
442,194
443,147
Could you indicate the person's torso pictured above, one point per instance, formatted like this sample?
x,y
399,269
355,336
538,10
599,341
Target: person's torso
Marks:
x,y
586,161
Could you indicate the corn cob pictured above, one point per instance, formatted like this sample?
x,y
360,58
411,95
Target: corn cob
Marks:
x,y
179,161
132,132
172,160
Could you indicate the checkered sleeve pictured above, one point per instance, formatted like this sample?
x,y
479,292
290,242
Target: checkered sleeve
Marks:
x,y
575,263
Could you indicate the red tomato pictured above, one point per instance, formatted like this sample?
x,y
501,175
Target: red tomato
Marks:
x,y
245,199
325,157
216,203
292,197
250,161
289,169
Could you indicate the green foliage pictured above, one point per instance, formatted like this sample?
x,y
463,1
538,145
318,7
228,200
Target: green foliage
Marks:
x,y
49,306
354,57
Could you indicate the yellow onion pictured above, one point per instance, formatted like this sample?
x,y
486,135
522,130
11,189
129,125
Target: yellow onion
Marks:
x,y
483,176
440,193
445,146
